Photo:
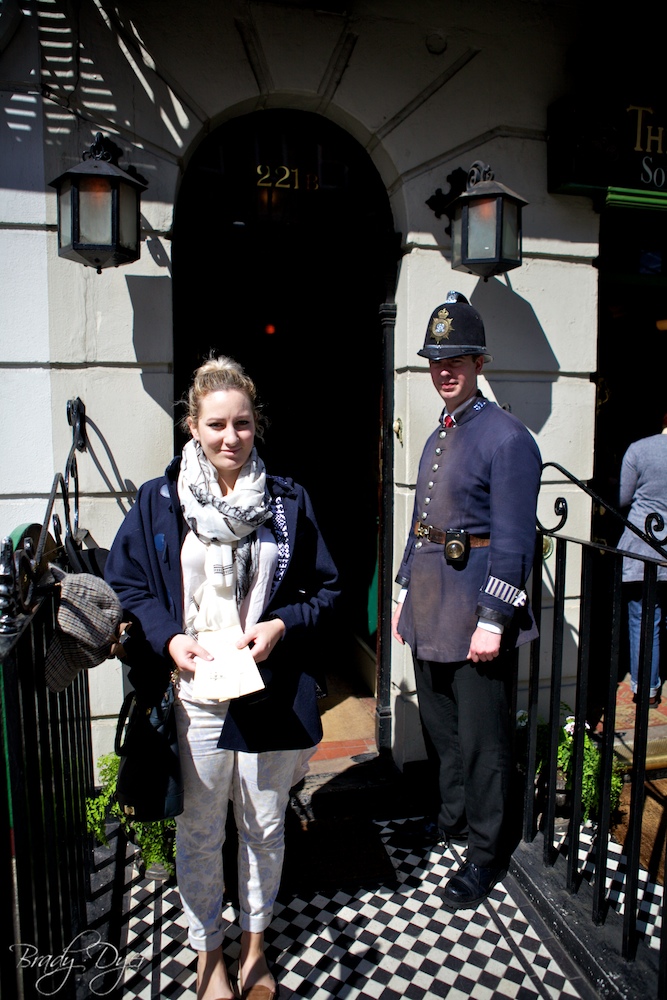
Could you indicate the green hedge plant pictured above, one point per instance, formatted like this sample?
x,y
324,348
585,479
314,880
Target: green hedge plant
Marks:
x,y
156,840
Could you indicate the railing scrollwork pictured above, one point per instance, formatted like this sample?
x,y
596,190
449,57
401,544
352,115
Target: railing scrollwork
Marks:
x,y
654,521
22,569
561,511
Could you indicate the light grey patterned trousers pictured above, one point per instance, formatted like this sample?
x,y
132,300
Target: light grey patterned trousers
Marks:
x,y
258,785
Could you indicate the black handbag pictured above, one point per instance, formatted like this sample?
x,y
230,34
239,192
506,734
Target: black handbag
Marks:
x,y
150,784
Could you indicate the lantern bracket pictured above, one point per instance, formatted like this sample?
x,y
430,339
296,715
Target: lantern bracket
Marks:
x,y
103,148
479,171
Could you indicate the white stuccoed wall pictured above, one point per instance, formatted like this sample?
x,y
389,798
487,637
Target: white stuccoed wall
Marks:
x,y
26,457
161,75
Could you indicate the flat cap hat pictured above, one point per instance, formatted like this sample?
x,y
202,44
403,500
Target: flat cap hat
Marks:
x,y
87,622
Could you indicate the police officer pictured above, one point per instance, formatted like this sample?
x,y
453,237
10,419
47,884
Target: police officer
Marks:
x,y
462,608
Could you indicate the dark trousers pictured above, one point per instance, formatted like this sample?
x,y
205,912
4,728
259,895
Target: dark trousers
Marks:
x,y
465,712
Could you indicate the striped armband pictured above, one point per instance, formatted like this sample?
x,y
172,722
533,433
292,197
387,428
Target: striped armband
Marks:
x,y
505,592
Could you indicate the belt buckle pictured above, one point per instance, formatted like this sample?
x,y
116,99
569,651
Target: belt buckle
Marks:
x,y
423,531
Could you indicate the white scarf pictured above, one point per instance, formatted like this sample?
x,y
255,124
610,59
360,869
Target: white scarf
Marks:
x,y
226,526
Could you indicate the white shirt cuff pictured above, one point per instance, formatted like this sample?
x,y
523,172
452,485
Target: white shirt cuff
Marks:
x,y
402,595
489,626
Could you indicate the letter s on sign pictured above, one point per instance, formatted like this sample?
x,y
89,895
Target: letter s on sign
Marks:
x,y
647,173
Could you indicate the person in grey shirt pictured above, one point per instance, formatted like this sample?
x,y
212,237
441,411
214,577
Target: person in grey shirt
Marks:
x,y
643,488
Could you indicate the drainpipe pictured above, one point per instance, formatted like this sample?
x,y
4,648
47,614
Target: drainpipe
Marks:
x,y
383,698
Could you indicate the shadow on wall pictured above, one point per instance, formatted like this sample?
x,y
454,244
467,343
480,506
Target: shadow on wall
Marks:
x,y
83,550
123,490
518,343
152,335
122,73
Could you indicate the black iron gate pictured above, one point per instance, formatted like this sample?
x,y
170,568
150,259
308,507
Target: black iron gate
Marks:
x,y
47,769
599,657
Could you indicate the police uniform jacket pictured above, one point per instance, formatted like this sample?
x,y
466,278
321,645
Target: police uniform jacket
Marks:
x,y
482,475
144,569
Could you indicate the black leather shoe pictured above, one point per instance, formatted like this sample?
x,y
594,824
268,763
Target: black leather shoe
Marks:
x,y
470,885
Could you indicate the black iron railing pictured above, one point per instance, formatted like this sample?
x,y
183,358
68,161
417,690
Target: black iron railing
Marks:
x,y
47,769
599,662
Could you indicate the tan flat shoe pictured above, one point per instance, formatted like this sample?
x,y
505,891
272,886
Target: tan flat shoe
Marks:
x,y
255,992
258,993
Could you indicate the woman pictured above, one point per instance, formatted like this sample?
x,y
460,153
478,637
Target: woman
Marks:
x,y
214,542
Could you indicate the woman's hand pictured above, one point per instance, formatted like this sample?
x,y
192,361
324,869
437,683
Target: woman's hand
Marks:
x,y
183,648
264,635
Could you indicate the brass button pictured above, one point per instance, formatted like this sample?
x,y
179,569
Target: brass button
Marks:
x,y
427,499
443,434
430,485
438,451
434,468
418,545
424,516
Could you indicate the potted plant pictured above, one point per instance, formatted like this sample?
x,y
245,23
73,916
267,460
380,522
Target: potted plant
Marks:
x,y
592,761
156,841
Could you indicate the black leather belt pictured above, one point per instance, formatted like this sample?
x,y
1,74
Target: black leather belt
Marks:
x,y
437,535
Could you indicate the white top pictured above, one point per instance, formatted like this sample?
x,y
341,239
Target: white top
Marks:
x,y
193,555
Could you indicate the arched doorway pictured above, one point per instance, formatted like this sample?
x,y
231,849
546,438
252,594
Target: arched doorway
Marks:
x,y
283,245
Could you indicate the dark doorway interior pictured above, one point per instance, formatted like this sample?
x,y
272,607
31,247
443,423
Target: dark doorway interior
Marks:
x,y
631,393
632,346
283,245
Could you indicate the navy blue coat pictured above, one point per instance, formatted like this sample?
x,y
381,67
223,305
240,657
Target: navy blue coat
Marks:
x,y
144,569
482,476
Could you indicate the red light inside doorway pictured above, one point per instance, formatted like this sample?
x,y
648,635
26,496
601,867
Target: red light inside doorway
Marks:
x,y
269,328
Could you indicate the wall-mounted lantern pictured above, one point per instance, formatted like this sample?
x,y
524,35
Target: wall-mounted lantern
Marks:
x,y
98,209
486,225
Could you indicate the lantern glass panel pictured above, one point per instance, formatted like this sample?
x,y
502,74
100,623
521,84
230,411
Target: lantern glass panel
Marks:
x,y
128,217
457,226
510,235
95,201
482,228
65,210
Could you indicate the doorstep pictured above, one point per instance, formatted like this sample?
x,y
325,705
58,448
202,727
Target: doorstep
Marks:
x,y
656,747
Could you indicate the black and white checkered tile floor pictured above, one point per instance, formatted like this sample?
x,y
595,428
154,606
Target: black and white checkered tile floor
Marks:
x,y
382,943
649,895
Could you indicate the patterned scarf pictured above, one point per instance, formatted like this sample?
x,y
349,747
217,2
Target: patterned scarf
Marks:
x,y
227,527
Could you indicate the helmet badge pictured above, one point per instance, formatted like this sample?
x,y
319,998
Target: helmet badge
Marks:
x,y
441,326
